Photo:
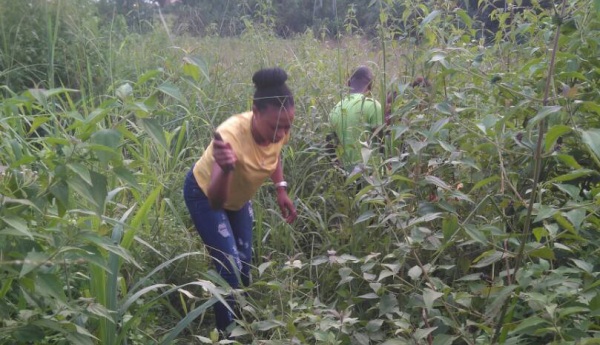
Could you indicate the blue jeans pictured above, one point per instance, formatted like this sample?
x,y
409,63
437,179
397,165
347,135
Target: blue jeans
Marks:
x,y
228,238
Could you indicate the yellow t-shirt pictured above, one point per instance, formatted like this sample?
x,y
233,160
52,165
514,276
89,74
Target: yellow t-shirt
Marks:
x,y
254,165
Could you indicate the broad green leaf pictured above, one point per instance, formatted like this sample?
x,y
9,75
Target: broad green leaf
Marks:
x,y
106,244
266,325
573,310
399,130
542,252
361,338
99,190
415,272
493,308
488,258
430,179
543,212
568,161
576,217
429,296
562,221
529,323
446,109
17,224
50,285
156,132
374,325
569,189
173,91
127,176
443,339
6,285
586,266
81,170
370,295
397,341
484,182
198,62
236,332
124,91
387,304
553,134
426,218
592,139
471,277
422,333
438,125
574,175
107,137
464,16
263,267
449,226
28,334
149,75
544,112
37,122
475,234
416,146
32,261
99,310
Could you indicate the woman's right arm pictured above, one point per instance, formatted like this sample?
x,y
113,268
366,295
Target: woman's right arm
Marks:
x,y
220,177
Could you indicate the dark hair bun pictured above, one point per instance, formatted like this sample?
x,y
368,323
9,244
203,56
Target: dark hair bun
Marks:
x,y
269,77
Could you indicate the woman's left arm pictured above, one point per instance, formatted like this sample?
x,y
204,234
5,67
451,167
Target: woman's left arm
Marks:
x,y
288,210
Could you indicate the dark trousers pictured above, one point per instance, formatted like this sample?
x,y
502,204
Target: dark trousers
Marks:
x,y
228,238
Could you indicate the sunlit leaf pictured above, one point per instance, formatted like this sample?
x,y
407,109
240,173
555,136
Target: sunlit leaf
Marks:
x,y
124,91
542,252
415,272
488,258
430,296
553,134
586,266
591,138
266,325
574,175
544,112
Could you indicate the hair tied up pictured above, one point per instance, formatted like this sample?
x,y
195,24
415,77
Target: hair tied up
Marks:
x,y
269,78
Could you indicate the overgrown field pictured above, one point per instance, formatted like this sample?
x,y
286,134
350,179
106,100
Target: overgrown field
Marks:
x,y
477,222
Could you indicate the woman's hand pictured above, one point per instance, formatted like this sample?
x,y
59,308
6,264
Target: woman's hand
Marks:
x,y
288,210
223,154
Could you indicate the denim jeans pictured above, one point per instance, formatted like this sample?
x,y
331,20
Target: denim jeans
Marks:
x,y
228,237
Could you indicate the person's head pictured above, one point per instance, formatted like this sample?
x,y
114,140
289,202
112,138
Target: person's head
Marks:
x,y
361,80
273,105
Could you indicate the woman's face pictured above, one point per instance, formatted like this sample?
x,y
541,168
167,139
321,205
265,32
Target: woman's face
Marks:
x,y
272,123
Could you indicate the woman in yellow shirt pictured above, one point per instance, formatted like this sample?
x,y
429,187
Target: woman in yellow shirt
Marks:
x,y
218,190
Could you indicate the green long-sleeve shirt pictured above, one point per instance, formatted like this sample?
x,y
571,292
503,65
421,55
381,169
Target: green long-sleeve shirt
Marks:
x,y
351,118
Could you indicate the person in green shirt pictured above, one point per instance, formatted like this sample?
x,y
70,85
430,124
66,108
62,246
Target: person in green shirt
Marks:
x,y
355,118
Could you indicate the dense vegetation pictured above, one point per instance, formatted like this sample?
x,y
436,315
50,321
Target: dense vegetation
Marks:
x,y
477,222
